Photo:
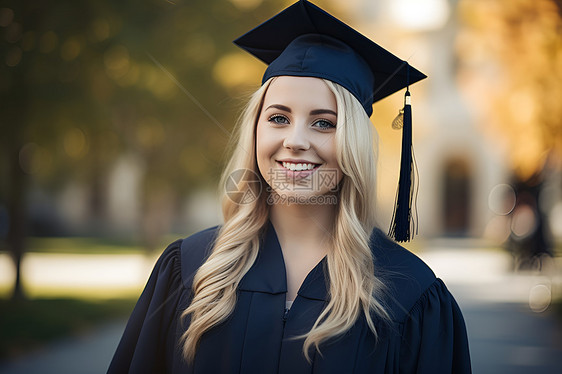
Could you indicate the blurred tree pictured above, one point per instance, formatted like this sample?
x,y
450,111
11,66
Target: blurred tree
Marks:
x,y
512,52
84,82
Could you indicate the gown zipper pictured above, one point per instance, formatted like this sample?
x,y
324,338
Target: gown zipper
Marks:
x,y
285,314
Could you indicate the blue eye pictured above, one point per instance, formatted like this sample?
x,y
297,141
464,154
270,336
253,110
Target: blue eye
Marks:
x,y
324,124
278,119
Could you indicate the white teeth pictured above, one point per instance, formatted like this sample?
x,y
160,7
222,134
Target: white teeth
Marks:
x,y
298,167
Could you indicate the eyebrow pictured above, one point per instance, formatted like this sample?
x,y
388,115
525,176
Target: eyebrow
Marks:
x,y
312,112
322,111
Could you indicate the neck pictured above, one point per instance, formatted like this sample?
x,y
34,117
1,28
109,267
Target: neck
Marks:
x,y
303,223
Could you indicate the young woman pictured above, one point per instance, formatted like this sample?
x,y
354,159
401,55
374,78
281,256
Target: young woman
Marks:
x,y
298,279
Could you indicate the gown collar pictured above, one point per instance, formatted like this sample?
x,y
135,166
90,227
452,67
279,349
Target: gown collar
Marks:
x,y
268,272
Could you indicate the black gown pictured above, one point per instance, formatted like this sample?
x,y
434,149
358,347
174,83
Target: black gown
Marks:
x,y
427,333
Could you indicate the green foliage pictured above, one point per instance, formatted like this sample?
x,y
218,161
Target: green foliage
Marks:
x,y
26,325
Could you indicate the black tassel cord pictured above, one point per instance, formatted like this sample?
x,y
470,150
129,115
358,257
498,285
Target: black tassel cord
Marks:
x,y
404,223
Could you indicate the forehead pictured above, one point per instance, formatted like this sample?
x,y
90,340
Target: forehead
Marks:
x,y
300,92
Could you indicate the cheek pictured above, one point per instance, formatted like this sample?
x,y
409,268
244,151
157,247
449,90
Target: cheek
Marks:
x,y
332,157
265,142
329,149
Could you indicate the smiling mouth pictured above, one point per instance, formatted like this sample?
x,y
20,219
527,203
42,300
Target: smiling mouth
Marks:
x,y
298,166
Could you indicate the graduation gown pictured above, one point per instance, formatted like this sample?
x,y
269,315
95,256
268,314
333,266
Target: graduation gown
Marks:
x,y
426,333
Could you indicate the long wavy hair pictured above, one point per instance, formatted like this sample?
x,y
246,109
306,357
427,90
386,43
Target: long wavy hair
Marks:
x,y
354,289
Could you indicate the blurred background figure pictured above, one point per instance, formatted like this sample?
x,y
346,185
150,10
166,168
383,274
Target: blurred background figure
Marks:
x,y
115,116
529,241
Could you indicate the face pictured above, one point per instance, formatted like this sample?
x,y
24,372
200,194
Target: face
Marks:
x,y
295,138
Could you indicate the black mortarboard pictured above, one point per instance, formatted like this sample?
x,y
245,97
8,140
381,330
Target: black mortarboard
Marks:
x,y
304,40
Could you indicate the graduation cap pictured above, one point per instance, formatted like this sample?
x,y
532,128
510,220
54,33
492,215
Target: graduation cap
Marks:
x,y
304,40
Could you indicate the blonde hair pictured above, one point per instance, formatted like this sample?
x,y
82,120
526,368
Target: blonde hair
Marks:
x,y
354,287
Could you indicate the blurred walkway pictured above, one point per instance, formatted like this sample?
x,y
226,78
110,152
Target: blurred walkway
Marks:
x,y
505,335
88,354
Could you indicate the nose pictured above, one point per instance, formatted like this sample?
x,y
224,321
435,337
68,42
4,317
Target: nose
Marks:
x,y
296,138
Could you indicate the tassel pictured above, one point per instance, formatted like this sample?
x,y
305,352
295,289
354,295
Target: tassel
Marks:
x,y
403,223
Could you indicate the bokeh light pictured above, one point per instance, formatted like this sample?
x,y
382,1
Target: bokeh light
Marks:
x,y
199,49
34,159
246,5
100,30
420,15
237,69
12,33
498,229
150,133
117,61
13,57
70,49
540,297
501,199
75,143
6,16
524,221
48,42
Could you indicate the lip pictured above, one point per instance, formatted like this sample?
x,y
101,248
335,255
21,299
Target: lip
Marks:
x,y
298,161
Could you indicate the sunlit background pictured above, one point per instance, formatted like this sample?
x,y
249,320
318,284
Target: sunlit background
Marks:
x,y
115,117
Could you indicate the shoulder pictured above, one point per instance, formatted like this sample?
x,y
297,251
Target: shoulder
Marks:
x,y
194,250
406,277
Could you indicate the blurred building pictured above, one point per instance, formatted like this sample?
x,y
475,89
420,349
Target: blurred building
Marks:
x,y
458,166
